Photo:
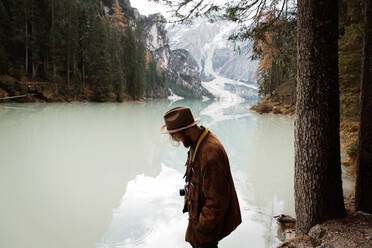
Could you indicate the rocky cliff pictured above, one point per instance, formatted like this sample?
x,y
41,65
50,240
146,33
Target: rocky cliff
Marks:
x,y
223,71
180,67
182,77
156,39
209,41
185,72
181,70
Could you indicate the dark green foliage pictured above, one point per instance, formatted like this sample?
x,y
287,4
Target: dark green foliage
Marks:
x,y
129,61
11,85
99,62
350,51
117,73
275,46
140,68
154,79
180,91
3,60
73,46
134,64
4,20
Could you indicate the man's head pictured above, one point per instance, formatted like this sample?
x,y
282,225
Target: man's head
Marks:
x,y
188,137
181,125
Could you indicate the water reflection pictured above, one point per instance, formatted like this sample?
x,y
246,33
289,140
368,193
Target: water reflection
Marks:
x,y
150,211
85,175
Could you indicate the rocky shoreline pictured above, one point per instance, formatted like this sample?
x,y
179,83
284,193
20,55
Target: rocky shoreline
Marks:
x,y
269,106
42,92
354,231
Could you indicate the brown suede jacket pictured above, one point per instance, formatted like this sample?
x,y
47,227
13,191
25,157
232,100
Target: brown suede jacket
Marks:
x,y
211,200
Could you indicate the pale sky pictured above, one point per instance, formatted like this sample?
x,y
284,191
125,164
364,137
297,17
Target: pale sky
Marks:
x,y
145,7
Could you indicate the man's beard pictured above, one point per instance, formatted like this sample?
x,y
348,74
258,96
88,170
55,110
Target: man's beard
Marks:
x,y
187,142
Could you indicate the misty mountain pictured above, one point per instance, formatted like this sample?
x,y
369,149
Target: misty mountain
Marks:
x,y
219,63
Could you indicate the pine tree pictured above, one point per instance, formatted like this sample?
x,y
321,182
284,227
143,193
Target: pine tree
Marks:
x,y
4,23
130,62
140,70
318,186
274,46
83,42
99,62
350,53
363,192
70,41
38,28
117,71
17,49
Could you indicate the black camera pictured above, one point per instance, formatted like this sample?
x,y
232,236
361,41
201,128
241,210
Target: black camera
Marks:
x,y
183,191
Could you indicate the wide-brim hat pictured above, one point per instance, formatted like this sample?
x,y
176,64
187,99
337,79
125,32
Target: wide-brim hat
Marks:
x,y
178,119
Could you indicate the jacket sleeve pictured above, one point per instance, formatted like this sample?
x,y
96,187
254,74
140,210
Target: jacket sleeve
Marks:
x,y
216,192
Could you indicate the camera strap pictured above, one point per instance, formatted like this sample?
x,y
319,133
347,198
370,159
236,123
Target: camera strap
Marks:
x,y
201,138
191,154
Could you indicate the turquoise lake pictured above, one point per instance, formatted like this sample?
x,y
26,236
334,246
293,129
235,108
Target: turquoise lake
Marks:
x,y
101,175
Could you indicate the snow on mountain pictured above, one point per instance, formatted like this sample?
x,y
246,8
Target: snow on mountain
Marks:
x,y
180,67
225,73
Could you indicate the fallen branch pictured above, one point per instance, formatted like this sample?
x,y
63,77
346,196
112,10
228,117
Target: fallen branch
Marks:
x,y
13,97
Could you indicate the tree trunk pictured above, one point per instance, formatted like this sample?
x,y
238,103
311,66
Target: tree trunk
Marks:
x,y
318,185
26,44
68,68
34,70
83,78
68,46
54,51
125,82
45,64
54,78
363,192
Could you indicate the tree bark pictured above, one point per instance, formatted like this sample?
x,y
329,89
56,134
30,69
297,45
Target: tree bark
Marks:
x,y
83,81
46,66
54,51
318,185
26,44
363,191
35,68
68,46
68,68
54,78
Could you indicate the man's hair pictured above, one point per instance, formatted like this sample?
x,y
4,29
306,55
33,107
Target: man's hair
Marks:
x,y
176,138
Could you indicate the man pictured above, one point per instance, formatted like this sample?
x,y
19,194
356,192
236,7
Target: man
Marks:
x,y
210,196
